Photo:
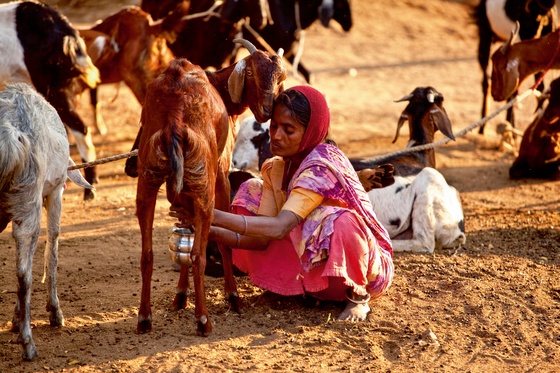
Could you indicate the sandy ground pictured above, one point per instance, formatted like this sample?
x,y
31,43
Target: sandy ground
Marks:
x,y
491,306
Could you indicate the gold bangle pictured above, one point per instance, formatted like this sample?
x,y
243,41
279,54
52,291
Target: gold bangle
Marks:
x,y
245,221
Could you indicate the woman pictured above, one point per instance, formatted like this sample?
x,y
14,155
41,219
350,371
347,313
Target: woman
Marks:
x,y
308,226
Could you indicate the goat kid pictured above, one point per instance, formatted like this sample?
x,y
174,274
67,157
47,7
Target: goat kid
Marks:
x,y
40,47
34,158
178,145
495,20
539,153
131,48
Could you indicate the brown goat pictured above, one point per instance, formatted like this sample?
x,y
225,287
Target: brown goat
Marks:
x,y
539,153
129,47
186,140
513,63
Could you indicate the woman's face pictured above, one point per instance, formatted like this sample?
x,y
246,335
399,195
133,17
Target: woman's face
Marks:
x,y
285,132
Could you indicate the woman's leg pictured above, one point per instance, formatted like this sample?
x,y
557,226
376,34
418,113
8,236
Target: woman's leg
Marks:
x,y
349,266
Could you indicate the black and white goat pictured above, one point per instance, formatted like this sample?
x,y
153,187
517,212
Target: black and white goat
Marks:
x,y
496,19
252,145
39,46
420,210
34,158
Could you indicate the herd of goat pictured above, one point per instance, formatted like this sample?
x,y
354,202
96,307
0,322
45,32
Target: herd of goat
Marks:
x,y
183,54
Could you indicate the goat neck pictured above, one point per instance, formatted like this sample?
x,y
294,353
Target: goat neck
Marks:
x,y
512,65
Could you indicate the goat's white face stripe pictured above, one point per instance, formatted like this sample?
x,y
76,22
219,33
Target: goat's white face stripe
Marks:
x,y
240,66
512,64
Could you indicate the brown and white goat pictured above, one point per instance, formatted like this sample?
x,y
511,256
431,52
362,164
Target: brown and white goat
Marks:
x,y
186,140
512,63
34,158
539,153
129,47
420,211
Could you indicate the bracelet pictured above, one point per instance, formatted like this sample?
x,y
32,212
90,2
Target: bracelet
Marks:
x,y
238,237
245,221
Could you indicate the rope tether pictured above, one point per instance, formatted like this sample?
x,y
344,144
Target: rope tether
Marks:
x,y
479,123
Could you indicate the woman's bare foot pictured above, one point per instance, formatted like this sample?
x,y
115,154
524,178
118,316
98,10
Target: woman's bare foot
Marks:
x,y
357,307
354,312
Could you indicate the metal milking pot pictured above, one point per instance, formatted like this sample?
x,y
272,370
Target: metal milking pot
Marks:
x,y
180,245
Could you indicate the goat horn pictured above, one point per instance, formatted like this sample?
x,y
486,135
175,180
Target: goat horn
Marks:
x,y
512,36
247,44
280,52
405,98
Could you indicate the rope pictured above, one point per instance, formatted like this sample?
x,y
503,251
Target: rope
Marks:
x,y
432,145
210,12
104,160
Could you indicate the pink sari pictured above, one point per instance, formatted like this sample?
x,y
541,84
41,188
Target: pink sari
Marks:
x,y
333,248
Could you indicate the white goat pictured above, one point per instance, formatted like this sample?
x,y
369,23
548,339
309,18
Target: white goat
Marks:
x,y
427,205
34,158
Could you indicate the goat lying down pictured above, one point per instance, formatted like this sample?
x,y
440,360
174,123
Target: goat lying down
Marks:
x,y
420,212
429,213
34,158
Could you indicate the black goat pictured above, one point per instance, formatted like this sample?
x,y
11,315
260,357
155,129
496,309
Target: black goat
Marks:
x,y
283,32
208,41
535,17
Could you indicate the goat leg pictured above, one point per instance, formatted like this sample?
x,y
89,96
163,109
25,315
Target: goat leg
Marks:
x,y
232,295
53,205
146,197
181,296
131,165
203,324
222,203
26,235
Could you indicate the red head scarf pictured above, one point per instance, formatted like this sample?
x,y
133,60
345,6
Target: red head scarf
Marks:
x,y
315,133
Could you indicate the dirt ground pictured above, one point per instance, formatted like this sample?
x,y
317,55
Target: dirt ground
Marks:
x,y
491,306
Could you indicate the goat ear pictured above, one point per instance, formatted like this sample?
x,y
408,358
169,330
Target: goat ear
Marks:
x,y
441,121
404,117
236,82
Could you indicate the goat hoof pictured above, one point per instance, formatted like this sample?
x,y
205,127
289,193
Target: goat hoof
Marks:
x,y
56,319
180,301
203,327
89,194
15,327
236,303
144,324
29,351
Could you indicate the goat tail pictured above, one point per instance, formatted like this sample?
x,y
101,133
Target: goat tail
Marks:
x,y
176,160
14,146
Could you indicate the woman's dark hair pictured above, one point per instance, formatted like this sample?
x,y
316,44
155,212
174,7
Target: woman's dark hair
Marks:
x,y
298,105
299,108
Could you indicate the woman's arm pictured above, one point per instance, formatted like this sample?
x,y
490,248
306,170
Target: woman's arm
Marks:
x,y
266,227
